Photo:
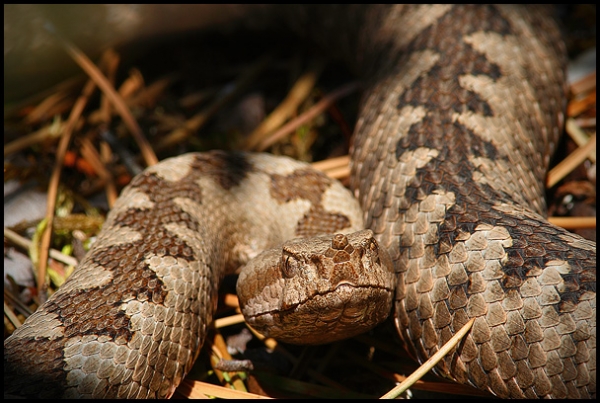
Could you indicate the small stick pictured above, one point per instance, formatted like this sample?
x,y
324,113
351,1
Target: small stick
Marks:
x,y
430,363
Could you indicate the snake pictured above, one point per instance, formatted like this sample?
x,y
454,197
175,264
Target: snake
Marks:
x,y
461,112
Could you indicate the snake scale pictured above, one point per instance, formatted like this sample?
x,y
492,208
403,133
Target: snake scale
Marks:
x,y
461,112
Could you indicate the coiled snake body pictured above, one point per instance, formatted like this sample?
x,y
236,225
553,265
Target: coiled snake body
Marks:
x,y
460,117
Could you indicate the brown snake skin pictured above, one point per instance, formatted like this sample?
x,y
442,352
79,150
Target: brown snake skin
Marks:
x,y
462,111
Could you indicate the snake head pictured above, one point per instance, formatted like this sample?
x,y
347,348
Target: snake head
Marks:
x,y
318,290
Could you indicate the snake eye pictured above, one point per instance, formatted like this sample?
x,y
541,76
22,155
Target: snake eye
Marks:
x,y
289,266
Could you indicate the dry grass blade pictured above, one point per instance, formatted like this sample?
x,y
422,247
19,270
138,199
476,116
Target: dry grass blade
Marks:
x,y
580,105
51,130
15,305
446,387
26,244
193,124
148,95
585,84
313,112
430,363
337,168
54,182
48,107
113,96
89,152
563,168
203,390
572,223
579,137
229,320
297,94
10,315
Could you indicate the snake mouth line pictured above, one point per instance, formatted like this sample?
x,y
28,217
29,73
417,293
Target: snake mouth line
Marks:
x,y
340,286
